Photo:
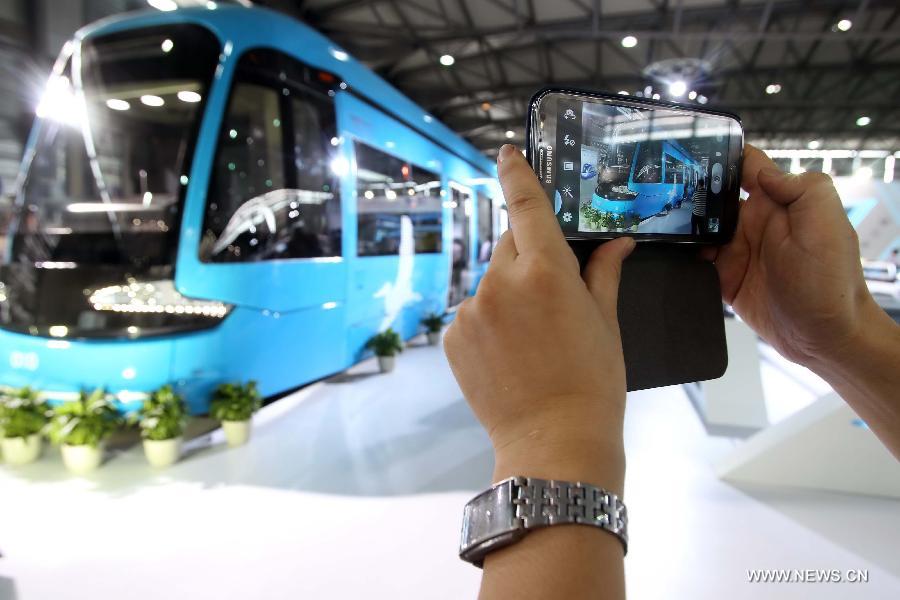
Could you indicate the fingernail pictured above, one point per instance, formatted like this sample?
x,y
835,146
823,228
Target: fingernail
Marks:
x,y
629,247
506,151
770,172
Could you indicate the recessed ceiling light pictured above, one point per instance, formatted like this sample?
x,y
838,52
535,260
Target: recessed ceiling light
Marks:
x,y
151,100
623,92
702,99
167,45
844,24
510,134
117,104
814,145
773,88
189,96
863,121
692,95
629,41
447,60
656,96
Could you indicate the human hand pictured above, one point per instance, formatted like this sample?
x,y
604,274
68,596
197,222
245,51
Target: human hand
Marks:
x,y
537,351
792,271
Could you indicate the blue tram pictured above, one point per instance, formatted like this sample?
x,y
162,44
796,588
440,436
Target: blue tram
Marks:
x,y
646,178
223,194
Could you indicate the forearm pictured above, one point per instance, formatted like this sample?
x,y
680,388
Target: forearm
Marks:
x,y
866,374
566,561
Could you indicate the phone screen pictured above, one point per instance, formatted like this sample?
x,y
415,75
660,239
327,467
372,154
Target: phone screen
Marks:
x,y
613,166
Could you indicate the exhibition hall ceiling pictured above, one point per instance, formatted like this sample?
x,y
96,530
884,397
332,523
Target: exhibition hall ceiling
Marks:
x,y
797,71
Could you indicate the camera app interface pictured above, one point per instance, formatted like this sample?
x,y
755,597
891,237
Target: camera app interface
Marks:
x,y
639,170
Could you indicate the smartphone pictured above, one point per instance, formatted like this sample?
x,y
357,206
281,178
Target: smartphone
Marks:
x,y
613,165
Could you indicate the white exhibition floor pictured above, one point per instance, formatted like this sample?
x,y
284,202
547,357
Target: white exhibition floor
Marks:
x,y
354,489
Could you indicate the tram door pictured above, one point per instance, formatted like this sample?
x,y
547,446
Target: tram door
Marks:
x,y
460,273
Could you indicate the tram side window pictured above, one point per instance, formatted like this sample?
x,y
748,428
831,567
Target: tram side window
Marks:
x,y
648,165
485,228
674,170
388,189
272,193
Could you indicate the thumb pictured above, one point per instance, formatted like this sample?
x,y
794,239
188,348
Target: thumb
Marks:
x,y
785,189
604,270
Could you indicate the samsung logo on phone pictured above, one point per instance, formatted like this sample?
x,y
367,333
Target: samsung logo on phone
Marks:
x,y
547,158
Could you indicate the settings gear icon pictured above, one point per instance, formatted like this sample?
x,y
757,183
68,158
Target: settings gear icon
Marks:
x,y
567,217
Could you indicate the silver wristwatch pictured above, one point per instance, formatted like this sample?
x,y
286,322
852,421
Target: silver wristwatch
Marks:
x,y
507,511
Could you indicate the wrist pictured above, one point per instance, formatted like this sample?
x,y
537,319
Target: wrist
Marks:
x,y
874,329
590,455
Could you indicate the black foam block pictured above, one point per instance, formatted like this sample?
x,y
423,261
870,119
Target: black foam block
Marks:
x,y
670,315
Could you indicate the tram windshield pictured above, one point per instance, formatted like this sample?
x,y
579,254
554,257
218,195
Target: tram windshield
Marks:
x,y
100,201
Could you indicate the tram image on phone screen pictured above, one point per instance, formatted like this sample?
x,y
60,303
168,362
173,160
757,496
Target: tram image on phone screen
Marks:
x,y
615,166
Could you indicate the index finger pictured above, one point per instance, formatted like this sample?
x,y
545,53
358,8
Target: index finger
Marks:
x,y
531,219
754,160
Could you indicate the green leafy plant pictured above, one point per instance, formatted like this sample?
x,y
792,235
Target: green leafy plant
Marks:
x,y
22,413
433,322
86,421
386,343
162,417
235,402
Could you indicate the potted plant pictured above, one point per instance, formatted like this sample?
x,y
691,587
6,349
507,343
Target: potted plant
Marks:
x,y
385,345
635,222
433,324
81,426
161,420
234,404
22,417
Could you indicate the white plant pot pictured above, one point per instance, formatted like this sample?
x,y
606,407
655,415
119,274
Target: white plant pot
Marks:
x,y
162,453
21,450
434,338
81,460
236,432
386,363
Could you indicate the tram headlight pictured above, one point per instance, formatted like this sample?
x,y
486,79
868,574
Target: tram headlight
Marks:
x,y
154,297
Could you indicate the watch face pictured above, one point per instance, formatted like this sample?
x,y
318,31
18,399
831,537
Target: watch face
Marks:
x,y
488,516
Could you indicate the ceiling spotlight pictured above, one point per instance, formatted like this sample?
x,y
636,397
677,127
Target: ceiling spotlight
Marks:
x,y
151,100
692,95
814,145
844,24
167,45
863,121
189,96
773,88
117,104
447,60
623,92
648,90
702,99
510,134
629,41
656,96
677,88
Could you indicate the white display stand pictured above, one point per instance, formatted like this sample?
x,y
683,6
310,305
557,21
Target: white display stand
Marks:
x,y
733,405
824,446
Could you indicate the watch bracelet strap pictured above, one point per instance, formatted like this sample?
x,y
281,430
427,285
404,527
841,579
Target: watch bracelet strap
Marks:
x,y
543,502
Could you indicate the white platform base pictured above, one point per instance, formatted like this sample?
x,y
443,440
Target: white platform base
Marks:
x,y
824,446
733,405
